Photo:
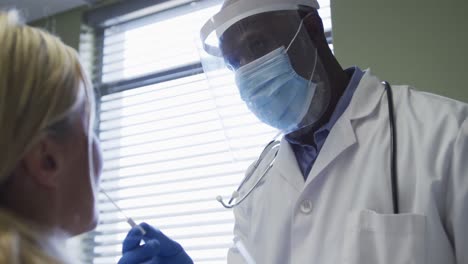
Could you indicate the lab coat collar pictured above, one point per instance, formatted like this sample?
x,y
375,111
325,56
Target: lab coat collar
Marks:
x,y
365,98
341,137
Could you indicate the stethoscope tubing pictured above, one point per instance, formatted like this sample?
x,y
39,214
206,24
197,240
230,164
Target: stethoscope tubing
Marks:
x,y
393,142
275,144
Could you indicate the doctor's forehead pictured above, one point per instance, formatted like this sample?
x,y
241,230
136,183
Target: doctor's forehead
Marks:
x,y
265,25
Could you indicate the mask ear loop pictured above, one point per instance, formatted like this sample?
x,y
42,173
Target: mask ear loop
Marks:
x,y
297,32
316,51
315,66
295,35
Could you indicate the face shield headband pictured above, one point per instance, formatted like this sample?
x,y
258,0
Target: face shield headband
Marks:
x,y
236,11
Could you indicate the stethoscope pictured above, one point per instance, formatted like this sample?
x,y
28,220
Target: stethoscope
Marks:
x,y
274,145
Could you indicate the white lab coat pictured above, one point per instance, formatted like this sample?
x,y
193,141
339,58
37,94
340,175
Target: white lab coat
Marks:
x,y
343,213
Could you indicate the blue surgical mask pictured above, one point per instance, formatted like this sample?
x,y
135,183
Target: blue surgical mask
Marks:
x,y
274,91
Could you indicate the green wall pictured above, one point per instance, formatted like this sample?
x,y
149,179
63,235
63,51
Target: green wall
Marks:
x,y
65,25
423,43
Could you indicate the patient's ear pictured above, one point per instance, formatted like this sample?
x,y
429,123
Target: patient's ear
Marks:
x,y
43,162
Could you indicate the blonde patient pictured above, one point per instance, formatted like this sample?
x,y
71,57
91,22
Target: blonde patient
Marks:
x,y
50,161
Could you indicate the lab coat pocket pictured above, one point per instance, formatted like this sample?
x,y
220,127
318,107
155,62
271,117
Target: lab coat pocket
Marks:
x,y
372,238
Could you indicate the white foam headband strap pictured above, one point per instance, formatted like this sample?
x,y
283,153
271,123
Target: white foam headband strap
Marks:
x,y
241,9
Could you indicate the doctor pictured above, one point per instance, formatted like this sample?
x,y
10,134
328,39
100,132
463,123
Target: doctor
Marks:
x,y
333,194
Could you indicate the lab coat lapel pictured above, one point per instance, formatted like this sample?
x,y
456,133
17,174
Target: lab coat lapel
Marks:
x,y
342,135
340,138
286,163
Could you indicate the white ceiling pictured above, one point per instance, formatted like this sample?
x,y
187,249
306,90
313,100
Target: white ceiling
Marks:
x,y
36,9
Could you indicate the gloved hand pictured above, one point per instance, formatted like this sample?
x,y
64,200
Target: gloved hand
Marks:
x,y
158,248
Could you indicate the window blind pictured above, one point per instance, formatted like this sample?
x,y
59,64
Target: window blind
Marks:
x,y
171,140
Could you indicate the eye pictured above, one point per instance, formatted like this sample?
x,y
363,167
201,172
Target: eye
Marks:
x,y
257,47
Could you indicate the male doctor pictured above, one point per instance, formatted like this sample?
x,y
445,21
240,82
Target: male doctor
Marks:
x,y
331,196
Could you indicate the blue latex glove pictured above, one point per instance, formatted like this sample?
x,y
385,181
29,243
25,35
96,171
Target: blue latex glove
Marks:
x,y
158,248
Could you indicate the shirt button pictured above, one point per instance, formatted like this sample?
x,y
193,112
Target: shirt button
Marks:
x,y
306,206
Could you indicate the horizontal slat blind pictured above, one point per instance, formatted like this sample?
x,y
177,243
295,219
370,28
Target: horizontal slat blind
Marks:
x,y
165,164
155,43
171,147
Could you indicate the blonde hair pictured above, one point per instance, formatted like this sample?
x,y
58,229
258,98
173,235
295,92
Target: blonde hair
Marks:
x,y
41,84
20,244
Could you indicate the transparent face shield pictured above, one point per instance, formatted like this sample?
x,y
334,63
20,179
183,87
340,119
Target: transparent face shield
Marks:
x,y
92,128
274,64
92,148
